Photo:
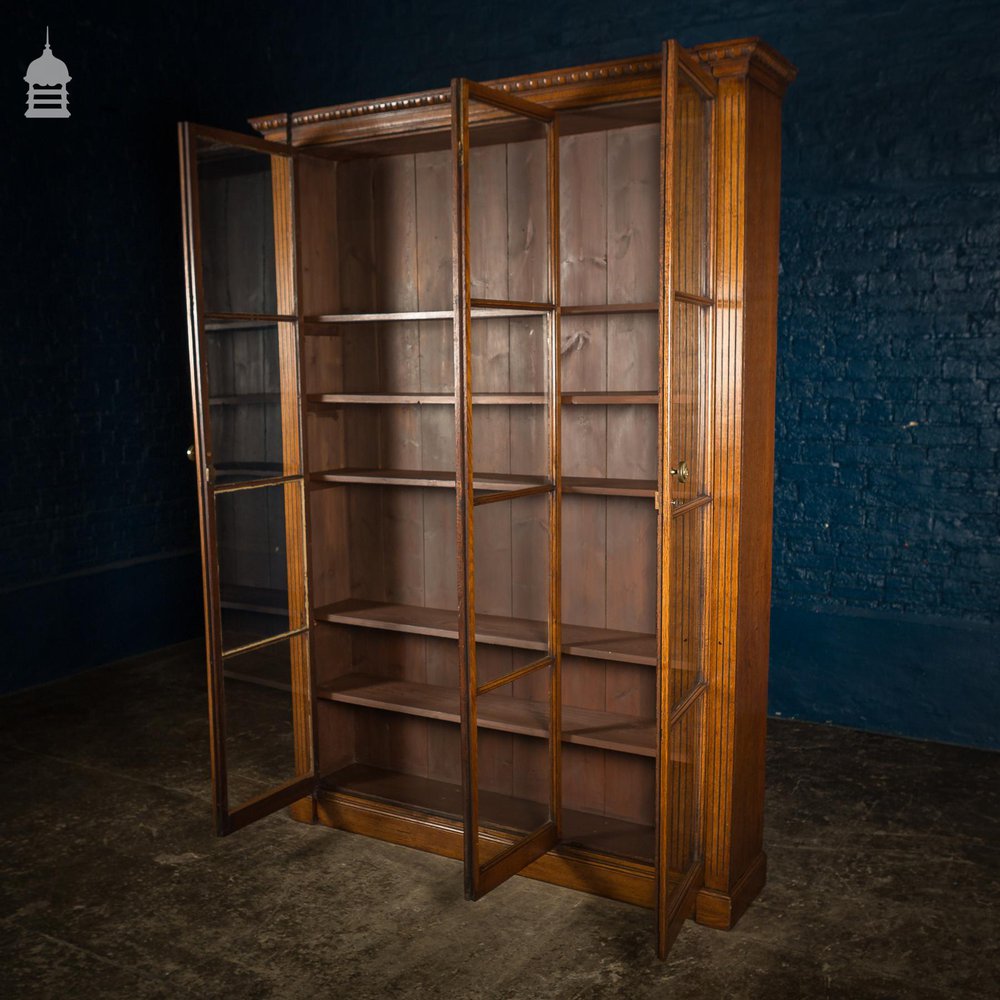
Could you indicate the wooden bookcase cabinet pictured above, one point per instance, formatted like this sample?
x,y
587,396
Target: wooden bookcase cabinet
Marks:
x,y
492,599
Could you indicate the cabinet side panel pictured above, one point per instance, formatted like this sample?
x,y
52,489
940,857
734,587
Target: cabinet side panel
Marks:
x,y
756,505
725,484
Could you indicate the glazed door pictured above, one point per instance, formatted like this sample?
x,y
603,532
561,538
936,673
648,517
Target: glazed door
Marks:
x,y
239,229
687,311
506,332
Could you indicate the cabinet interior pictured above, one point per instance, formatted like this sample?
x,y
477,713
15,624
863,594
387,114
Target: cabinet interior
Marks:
x,y
375,240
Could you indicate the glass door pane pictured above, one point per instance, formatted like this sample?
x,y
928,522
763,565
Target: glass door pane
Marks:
x,y
507,462
243,316
687,305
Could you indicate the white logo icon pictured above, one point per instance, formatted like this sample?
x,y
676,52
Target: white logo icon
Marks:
x,y
47,78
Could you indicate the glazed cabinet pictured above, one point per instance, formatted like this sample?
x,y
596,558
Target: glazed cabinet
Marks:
x,y
483,386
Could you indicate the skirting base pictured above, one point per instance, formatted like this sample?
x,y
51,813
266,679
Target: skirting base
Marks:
x,y
630,882
722,910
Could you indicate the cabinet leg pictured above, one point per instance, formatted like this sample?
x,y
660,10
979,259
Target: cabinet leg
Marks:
x,y
304,810
722,910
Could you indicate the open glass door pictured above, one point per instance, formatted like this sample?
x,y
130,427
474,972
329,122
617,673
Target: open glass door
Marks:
x,y
687,310
506,357
243,322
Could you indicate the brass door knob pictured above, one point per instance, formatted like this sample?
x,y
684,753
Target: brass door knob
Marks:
x,y
190,452
682,472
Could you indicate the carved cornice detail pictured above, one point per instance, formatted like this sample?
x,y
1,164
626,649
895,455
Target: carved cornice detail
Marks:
x,y
744,51
735,56
515,84
583,74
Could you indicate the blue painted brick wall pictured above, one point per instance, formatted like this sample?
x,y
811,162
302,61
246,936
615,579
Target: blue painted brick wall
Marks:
x,y
886,555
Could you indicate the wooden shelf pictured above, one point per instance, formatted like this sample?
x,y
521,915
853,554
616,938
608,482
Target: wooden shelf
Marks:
x,y
503,308
419,477
222,322
590,831
481,309
493,630
642,397
616,398
426,398
381,317
258,599
609,487
227,473
610,309
487,309
486,481
604,730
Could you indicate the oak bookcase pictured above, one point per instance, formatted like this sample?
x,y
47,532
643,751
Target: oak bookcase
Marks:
x,y
483,387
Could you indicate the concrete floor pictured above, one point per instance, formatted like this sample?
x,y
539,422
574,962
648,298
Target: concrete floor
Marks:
x,y
884,877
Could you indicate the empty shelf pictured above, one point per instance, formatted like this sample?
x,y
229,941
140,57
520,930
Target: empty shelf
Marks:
x,y
381,317
591,831
486,481
609,308
228,473
426,398
481,309
609,487
604,730
643,397
494,630
417,477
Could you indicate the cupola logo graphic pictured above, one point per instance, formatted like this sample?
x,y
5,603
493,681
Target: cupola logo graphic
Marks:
x,y
47,78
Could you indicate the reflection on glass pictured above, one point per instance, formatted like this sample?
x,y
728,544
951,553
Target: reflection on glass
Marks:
x,y
688,401
236,210
510,423
512,564
514,754
687,608
683,803
260,746
495,664
691,197
253,570
508,206
244,386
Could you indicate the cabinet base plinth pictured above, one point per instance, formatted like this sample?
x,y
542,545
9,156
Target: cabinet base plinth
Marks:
x,y
627,881
602,875
722,910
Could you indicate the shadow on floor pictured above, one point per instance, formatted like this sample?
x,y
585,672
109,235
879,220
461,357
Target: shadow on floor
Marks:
x,y
884,865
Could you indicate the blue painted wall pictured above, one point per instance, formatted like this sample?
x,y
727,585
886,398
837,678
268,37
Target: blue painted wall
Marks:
x,y
887,548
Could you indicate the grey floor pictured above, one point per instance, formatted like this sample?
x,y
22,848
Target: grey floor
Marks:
x,y
884,877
